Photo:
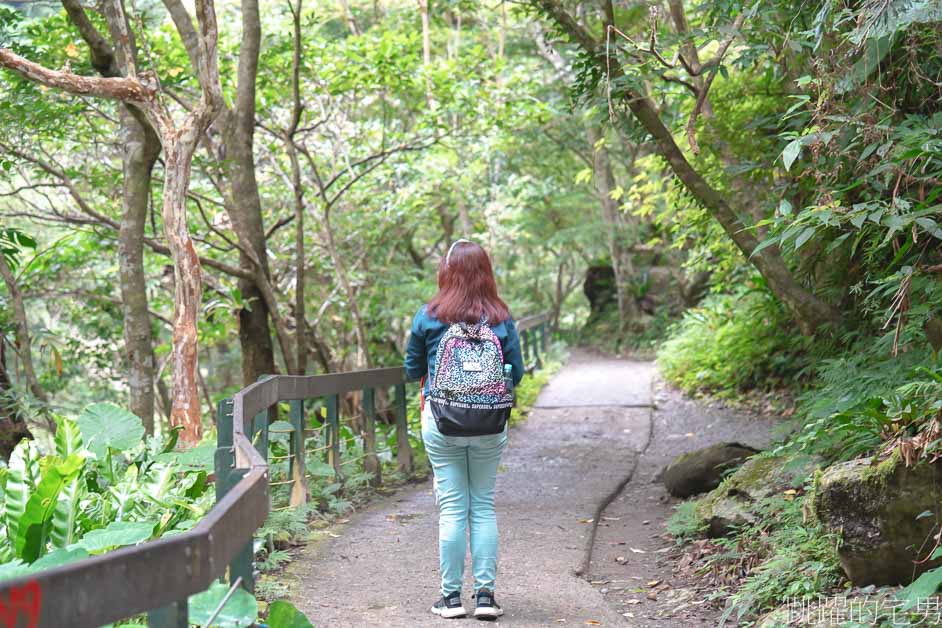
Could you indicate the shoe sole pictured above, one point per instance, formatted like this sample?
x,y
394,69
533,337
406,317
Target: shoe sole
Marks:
x,y
449,613
487,614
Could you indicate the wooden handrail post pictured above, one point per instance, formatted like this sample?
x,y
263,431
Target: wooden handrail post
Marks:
x,y
403,448
370,460
224,460
333,433
296,471
175,615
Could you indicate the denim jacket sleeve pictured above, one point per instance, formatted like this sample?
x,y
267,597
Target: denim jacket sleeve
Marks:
x,y
512,353
416,356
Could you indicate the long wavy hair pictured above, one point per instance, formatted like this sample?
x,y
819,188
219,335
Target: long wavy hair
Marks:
x,y
467,291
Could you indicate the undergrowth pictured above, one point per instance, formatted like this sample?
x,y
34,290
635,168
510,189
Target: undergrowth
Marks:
x,y
732,343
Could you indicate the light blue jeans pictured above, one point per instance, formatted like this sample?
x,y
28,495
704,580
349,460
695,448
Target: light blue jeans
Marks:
x,y
465,469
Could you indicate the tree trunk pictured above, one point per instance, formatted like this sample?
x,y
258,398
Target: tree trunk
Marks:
x,y
24,348
426,47
187,287
141,149
363,359
618,247
13,427
809,310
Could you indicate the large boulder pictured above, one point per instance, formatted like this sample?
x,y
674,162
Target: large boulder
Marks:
x,y
599,288
736,500
886,515
702,470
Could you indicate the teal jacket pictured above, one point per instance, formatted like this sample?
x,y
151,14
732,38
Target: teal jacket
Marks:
x,y
427,332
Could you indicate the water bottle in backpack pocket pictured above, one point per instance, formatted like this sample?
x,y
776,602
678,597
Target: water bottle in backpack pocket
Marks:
x,y
469,395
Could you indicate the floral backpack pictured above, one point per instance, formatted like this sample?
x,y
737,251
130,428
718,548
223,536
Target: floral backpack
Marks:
x,y
470,395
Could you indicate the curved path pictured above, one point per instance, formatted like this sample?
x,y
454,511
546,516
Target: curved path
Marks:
x,y
577,450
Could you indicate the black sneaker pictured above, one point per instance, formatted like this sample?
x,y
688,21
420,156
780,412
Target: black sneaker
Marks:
x,y
485,606
449,607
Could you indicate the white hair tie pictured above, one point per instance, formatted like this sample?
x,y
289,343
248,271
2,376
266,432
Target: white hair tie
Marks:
x,y
452,248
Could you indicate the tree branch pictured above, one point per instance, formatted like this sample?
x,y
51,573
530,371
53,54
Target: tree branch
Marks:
x,y
125,88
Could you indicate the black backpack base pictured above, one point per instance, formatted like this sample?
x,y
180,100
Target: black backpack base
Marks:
x,y
453,419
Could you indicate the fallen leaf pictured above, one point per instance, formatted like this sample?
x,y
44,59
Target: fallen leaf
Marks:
x,y
633,601
593,622
790,491
611,518
586,520
653,583
637,551
652,595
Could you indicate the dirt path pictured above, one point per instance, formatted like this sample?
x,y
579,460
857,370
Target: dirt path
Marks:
x,y
579,446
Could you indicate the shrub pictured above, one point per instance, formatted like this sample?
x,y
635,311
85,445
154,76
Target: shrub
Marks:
x,y
732,343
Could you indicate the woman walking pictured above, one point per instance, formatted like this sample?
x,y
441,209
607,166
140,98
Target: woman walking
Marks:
x,y
465,346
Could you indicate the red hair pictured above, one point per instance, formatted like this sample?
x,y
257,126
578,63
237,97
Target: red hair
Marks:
x,y
467,291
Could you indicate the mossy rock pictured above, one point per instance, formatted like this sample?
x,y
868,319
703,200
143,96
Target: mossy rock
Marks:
x,y
735,502
702,470
884,514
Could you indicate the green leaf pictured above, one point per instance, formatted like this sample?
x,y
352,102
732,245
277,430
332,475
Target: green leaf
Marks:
x,y
60,556
283,614
922,588
785,208
65,516
117,534
199,458
33,530
804,236
107,426
22,478
791,152
68,437
240,610
13,569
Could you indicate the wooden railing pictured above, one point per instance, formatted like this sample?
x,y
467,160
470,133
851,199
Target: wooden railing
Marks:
x,y
157,577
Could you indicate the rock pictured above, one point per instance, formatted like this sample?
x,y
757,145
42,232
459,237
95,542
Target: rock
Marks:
x,y
702,470
880,512
734,501
599,288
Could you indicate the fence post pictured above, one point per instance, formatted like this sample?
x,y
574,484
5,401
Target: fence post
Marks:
x,y
173,615
244,562
225,455
543,335
538,363
403,448
525,339
333,434
370,459
297,468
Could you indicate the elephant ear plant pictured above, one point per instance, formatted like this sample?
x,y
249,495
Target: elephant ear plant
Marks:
x,y
104,486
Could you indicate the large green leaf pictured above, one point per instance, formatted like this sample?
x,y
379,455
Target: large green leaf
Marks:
x,y
33,531
68,441
68,437
199,458
13,569
239,612
116,534
283,614
22,478
65,517
107,426
58,557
